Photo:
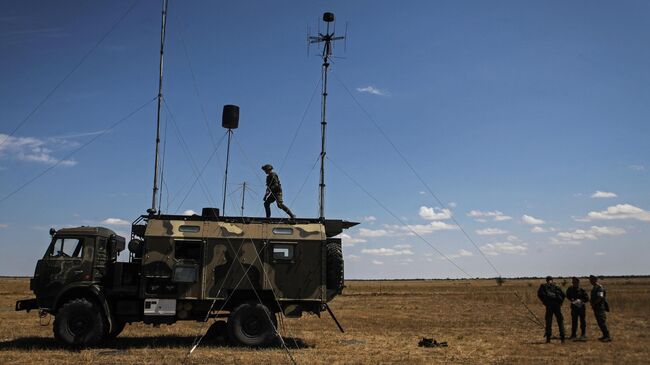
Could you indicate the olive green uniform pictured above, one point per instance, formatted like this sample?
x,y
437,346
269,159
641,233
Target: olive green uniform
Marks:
x,y
578,309
600,306
552,297
274,193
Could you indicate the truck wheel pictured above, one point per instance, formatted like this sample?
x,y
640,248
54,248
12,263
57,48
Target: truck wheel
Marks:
x,y
79,322
218,330
252,324
118,327
334,276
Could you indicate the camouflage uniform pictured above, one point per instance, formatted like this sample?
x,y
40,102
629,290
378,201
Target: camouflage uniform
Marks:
x,y
600,306
552,297
274,193
578,309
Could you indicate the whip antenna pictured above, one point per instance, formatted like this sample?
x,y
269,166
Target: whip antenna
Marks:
x,y
153,209
327,38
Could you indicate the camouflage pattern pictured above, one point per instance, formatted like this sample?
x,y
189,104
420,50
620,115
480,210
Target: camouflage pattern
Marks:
x,y
273,192
55,274
238,256
186,264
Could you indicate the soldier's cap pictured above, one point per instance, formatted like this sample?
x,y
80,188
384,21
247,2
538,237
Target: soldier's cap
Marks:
x,y
549,278
575,279
593,277
267,167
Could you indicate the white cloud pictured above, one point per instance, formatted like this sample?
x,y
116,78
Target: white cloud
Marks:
x,y
403,246
115,222
348,240
372,90
32,149
579,235
538,229
480,216
352,258
513,238
386,251
490,231
369,219
434,214
189,212
603,194
509,248
4,226
376,262
460,253
413,229
527,219
620,211
637,167
452,204
365,232
599,253
422,192
405,261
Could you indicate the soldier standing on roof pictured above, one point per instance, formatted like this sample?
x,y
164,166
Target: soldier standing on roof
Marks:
x,y
552,297
600,306
578,298
273,192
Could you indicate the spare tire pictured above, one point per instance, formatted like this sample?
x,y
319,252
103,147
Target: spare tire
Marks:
x,y
335,280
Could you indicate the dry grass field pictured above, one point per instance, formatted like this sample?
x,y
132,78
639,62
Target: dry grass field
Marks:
x,y
384,320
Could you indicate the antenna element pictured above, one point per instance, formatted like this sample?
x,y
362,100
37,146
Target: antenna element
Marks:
x,y
327,39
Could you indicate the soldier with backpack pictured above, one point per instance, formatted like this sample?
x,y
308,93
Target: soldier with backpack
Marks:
x,y
552,297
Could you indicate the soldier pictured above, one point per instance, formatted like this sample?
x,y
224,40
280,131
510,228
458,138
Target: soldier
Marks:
x,y
578,298
273,192
552,297
600,306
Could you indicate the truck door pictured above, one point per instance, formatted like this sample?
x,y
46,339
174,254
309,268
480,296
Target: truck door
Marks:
x,y
62,264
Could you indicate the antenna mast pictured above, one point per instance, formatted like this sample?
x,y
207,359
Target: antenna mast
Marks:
x,y
153,209
230,121
326,38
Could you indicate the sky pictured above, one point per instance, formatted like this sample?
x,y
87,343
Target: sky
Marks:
x,y
469,138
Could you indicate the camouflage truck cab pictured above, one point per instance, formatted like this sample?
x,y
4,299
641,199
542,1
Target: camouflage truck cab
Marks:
x,y
241,269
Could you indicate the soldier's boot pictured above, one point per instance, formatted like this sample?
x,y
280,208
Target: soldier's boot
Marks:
x,y
548,339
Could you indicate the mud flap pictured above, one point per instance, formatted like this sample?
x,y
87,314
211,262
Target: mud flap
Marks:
x,y
26,305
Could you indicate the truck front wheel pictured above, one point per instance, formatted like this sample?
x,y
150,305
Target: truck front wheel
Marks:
x,y
79,322
252,324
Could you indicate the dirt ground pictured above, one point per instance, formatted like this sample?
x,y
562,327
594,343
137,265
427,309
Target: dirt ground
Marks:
x,y
384,320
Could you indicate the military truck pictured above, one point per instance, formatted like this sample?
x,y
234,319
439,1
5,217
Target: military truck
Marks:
x,y
241,271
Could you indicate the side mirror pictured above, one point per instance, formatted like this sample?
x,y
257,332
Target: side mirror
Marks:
x,y
52,232
116,243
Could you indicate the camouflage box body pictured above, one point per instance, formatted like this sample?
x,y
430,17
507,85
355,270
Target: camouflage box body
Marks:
x,y
207,260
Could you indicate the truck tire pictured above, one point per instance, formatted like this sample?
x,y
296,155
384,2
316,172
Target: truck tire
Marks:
x,y
79,322
334,271
118,327
252,324
217,331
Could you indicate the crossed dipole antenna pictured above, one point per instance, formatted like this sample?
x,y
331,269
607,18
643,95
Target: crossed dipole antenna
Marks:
x,y
326,38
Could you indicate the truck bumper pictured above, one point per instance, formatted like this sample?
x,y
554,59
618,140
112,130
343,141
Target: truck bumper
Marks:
x,y
26,305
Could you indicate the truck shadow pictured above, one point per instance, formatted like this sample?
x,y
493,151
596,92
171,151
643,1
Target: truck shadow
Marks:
x,y
124,343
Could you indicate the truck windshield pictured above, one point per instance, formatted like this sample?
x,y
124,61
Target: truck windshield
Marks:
x,y
67,247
